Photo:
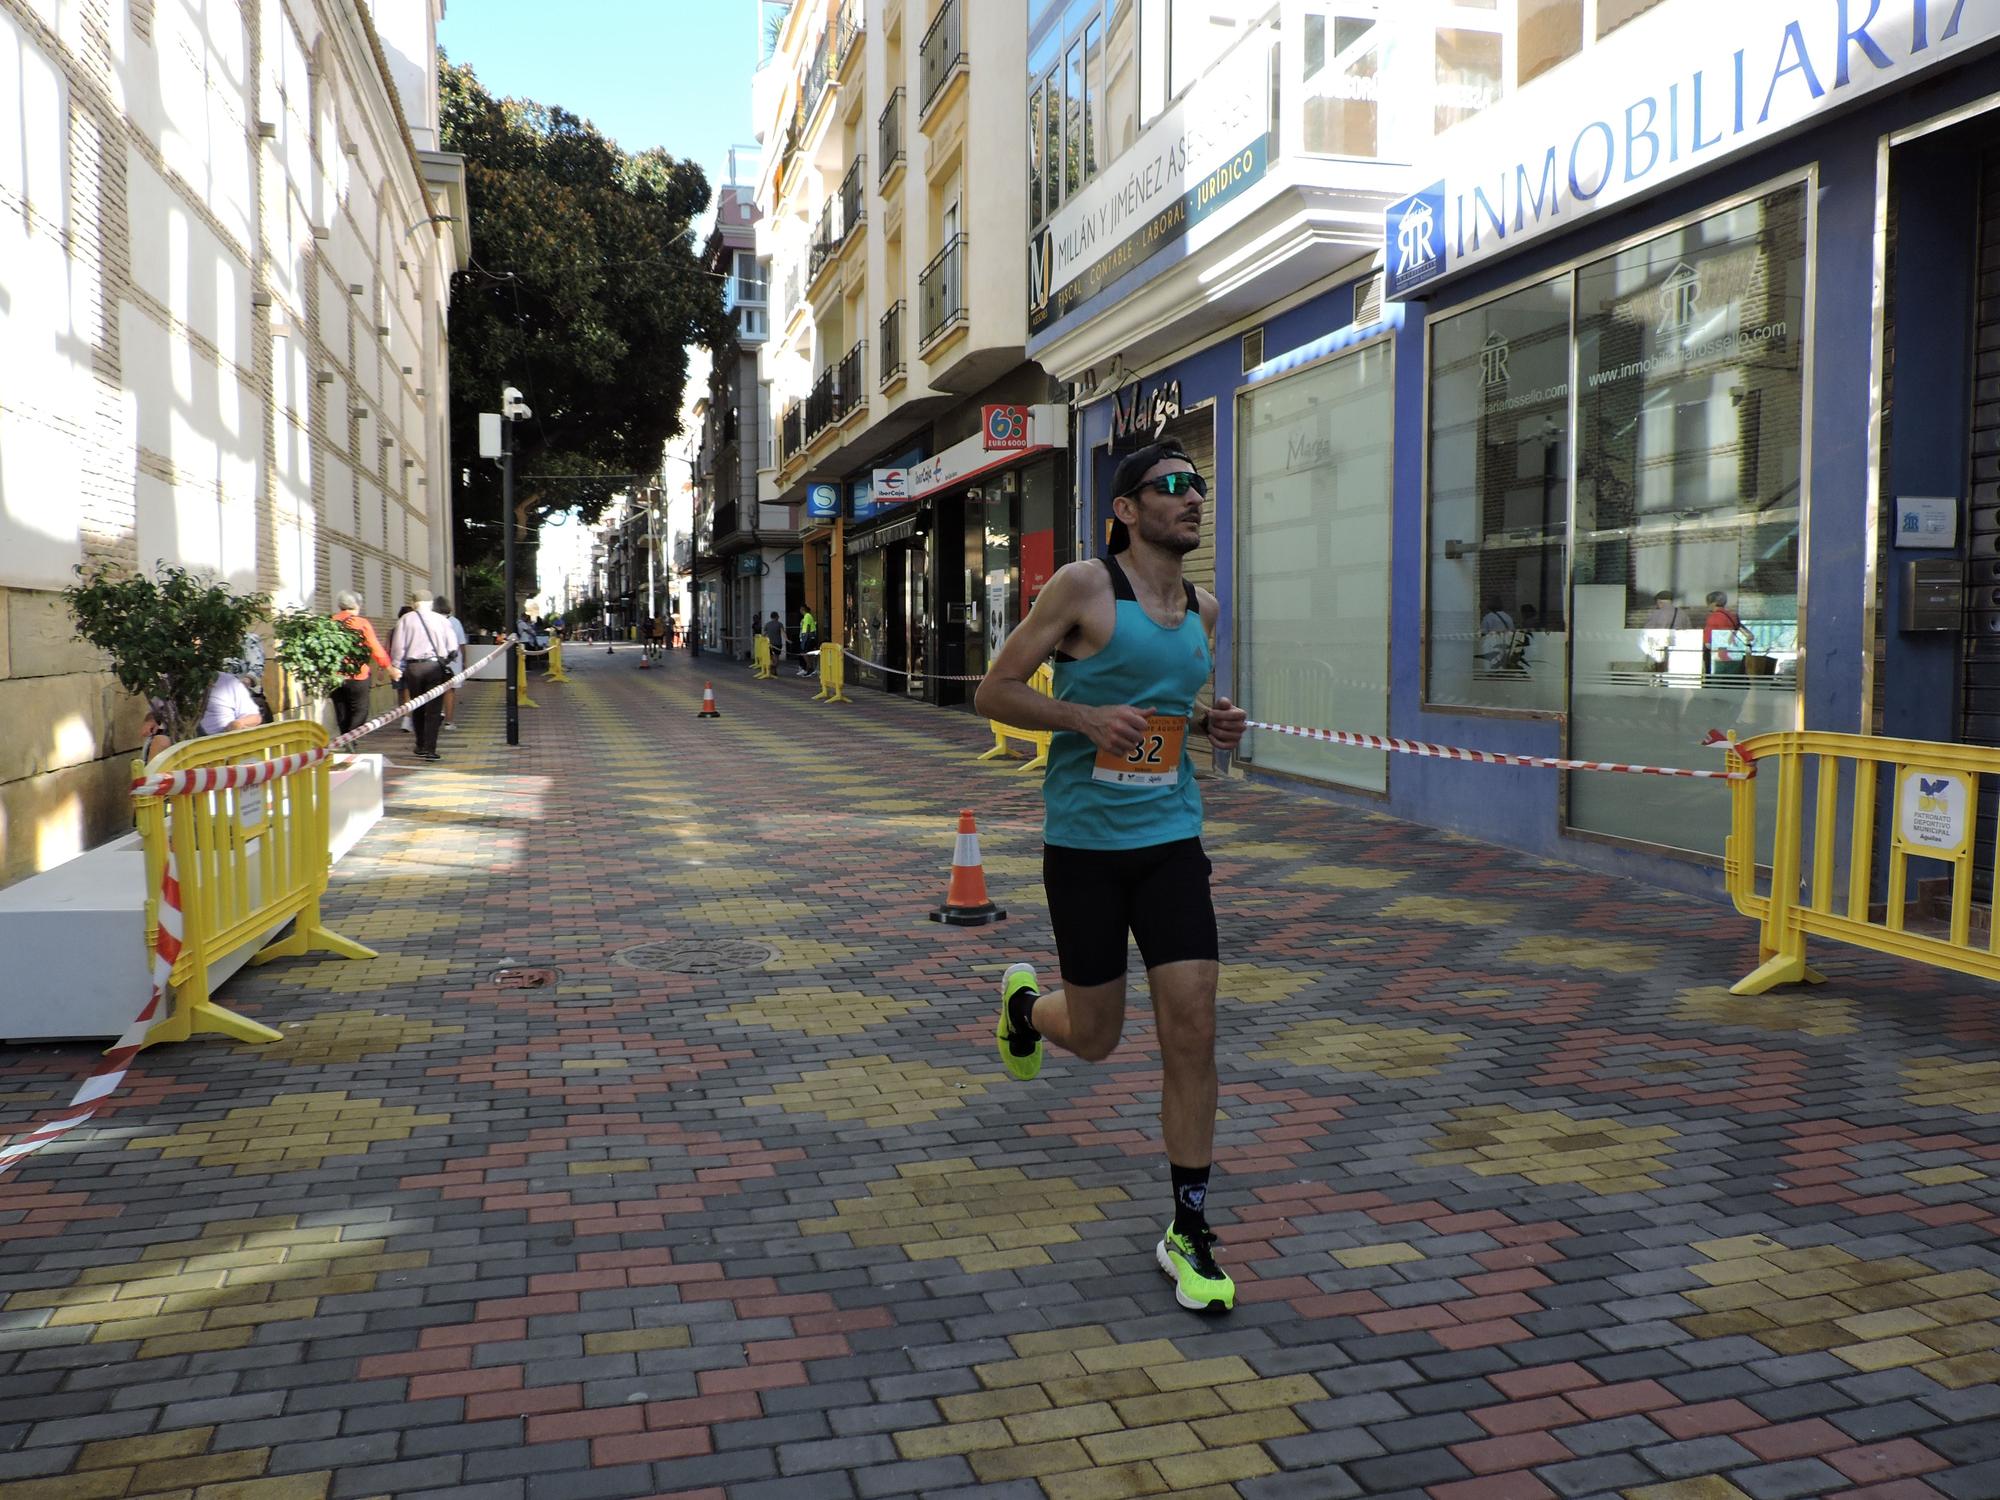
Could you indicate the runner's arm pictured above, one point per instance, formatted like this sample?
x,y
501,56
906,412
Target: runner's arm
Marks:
x,y
1004,694
1223,723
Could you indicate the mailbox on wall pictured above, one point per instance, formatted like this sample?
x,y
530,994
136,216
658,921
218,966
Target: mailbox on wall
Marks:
x,y
1933,594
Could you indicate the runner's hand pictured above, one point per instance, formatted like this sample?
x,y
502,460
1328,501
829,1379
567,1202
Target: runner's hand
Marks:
x,y
1118,730
1225,724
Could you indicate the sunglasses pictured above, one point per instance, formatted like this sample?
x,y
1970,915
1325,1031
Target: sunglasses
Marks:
x,y
1173,486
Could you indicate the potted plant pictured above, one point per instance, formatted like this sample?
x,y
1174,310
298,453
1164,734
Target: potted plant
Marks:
x,y
319,653
168,634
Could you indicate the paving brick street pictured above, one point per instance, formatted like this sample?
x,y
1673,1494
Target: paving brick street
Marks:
x,y
664,1150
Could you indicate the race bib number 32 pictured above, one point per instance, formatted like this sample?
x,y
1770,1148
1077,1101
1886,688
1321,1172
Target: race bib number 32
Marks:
x,y
1156,761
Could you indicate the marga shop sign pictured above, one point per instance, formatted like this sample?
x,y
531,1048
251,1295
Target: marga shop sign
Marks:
x,y
1677,91
1204,151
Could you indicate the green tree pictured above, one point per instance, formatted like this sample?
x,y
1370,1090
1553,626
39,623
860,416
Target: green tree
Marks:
x,y
586,290
319,652
167,635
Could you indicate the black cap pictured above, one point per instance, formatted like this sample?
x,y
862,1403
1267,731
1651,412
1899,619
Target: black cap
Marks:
x,y
1129,475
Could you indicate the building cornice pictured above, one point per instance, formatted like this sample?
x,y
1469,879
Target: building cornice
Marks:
x,y
1293,236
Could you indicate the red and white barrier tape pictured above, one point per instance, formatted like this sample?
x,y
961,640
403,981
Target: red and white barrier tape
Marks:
x,y
110,1071
1489,757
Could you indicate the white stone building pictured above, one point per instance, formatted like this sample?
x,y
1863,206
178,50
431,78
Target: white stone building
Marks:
x,y
226,243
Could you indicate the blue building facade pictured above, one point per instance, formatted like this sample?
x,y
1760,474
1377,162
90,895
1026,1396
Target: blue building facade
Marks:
x,y
1688,420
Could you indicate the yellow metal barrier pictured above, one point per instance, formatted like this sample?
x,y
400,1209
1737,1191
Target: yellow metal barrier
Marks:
x,y
1043,682
1931,813
832,676
760,654
246,861
521,680
556,672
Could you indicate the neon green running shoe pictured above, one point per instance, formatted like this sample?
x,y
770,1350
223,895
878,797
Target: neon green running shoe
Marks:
x,y
1200,1285
1023,1065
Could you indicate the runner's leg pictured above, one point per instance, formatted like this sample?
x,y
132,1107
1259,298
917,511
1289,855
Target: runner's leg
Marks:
x,y
1086,1019
1184,1014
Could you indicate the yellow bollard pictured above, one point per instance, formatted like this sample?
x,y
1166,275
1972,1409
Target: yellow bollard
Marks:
x,y
521,680
832,677
556,672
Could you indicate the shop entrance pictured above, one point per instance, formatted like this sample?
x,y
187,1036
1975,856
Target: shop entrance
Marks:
x,y
1940,483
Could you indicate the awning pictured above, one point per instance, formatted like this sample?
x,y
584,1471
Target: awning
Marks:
x,y
900,530
1332,343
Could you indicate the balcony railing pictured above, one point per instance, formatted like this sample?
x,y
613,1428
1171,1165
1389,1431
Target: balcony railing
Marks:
x,y
847,36
851,381
892,342
943,51
854,196
725,521
822,402
942,292
889,134
813,82
826,239
792,433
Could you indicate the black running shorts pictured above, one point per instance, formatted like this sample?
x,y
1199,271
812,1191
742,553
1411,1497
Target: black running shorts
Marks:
x,y
1159,894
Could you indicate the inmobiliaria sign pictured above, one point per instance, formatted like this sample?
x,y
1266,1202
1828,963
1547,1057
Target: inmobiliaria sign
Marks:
x,y
1677,91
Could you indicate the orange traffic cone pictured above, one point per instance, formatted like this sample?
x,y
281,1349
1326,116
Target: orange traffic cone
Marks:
x,y
645,662
708,708
966,903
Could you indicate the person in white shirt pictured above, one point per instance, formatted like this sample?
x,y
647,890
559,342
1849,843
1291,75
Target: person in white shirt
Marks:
x,y
229,706
457,663
422,647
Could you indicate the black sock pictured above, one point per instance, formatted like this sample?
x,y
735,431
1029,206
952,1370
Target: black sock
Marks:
x,y
1021,1031
1190,1197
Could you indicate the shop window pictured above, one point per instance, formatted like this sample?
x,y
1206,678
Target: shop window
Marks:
x,y
1690,418
1550,32
1340,83
1153,93
1497,510
1468,74
1035,157
1313,507
1052,144
1121,83
1093,98
1073,120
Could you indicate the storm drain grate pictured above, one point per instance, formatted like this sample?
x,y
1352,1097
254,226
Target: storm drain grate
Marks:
x,y
698,956
525,978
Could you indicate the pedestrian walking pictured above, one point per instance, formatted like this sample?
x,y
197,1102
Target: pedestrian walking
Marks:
x,y
421,647
406,724
1122,848
774,632
656,637
808,639
350,699
443,607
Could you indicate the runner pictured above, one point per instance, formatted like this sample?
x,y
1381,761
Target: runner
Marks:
x,y
1122,832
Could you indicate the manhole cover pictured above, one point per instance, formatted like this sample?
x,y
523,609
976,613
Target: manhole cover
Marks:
x,y
525,979
698,956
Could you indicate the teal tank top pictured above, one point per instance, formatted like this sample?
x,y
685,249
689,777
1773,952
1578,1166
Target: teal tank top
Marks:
x,y
1094,801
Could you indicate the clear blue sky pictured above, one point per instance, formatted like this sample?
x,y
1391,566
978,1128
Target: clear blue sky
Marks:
x,y
672,73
